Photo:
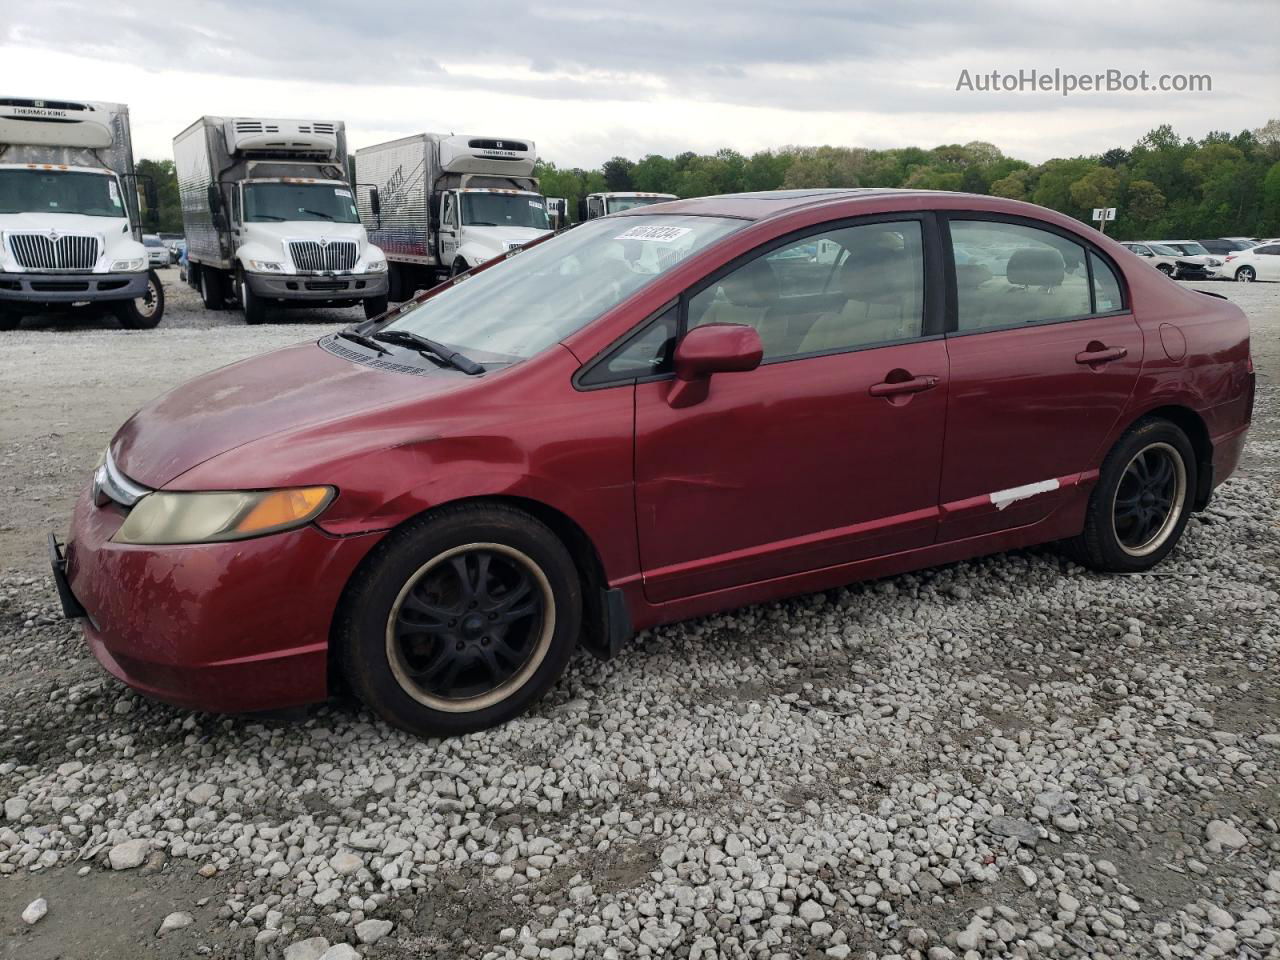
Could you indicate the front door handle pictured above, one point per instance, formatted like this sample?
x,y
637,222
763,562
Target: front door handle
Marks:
x,y
892,388
1097,353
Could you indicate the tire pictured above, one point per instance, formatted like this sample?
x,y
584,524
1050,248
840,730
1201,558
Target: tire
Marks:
x,y
1246,275
212,289
409,590
373,306
459,266
1128,528
255,308
146,312
1167,270
395,284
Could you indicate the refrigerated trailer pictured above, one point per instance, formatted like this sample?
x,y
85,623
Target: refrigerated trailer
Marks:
x,y
440,204
70,223
270,217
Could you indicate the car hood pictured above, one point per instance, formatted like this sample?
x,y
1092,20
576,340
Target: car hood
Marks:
x,y
275,393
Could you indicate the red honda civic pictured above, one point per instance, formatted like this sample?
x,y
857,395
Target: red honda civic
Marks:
x,y
653,416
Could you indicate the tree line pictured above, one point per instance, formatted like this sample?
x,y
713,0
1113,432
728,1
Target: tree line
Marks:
x,y
1163,186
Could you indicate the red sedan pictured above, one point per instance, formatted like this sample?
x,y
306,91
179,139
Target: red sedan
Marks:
x,y
654,416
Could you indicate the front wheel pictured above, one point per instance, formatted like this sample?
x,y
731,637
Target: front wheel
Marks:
x,y
460,620
459,267
1167,270
1246,275
146,311
1142,501
374,306
255,308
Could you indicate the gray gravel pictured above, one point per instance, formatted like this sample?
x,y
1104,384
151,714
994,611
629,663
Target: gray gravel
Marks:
x,y
1008,757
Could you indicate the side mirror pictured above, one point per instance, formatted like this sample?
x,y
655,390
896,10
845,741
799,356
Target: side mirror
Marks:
x,y
715,348
582,209
215,198
375,202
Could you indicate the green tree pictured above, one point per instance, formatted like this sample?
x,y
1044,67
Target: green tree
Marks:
x,y
617,174
169,208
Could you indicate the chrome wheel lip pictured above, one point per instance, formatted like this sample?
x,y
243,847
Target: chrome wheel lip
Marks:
x,y
147,304
1177,505
542,646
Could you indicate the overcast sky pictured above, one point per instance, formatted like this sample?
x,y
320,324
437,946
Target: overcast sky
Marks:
x,y
587,81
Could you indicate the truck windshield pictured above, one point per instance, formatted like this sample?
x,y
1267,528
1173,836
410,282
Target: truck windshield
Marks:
x,y
279,202
617,204
523,305
480,209
60,191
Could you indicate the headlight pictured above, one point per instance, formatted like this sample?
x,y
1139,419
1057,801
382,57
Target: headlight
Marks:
x,y
129,266
375,266
160,518
1214,263
266,266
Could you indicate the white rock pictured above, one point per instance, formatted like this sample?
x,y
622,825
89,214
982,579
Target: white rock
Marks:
x,y
35,910
174,921
371,931
202,794
15,807
341,951
1224,834
344,864
310,949
811,911
129,854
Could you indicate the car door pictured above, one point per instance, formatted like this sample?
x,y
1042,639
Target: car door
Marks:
x,y
830,450
1044,355
449,228
1266,261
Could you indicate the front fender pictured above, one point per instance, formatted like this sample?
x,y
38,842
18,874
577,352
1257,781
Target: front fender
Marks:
x,y
477,253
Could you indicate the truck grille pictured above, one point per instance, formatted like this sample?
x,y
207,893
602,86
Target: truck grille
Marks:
x,y
36,251
337,256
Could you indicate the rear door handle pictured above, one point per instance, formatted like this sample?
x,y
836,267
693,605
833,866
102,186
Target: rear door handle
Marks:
x,y
1101,354
892,388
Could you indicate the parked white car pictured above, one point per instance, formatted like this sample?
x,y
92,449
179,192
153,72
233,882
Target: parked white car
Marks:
x,y
157,252
1192,251
1259,263
1169,261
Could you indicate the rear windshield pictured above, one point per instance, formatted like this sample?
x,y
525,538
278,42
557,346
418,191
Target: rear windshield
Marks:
x,y
520,307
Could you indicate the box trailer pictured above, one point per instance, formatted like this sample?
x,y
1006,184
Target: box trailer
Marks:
x,y
440,204
270,217
70,224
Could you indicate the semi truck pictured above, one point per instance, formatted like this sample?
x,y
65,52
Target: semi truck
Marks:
x,y
70,220
270,217
441,204
602,204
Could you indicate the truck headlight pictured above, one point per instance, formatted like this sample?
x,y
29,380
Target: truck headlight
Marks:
x,y
168,518
266,266
129,266
375,266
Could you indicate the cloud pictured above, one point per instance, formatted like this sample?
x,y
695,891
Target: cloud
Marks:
x,y
745,73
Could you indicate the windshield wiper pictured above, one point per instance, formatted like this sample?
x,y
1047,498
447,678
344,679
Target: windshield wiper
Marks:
x,y
364,341
318,213
265,216
452,357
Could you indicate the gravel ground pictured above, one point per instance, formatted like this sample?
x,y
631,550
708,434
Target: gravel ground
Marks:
x,y
1008,757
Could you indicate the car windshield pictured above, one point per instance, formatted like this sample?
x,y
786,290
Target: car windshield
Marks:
x,y
618,204
1189,249
1161,250
278,202
152,242
60,191
482,209
519,307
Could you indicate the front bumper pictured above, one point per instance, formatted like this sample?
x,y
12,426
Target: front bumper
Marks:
x,y
71,287
342,286
225,627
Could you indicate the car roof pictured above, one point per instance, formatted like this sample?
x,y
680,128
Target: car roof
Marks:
x,y
769,203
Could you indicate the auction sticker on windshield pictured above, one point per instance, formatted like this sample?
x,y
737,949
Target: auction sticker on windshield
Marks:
x,y
654,234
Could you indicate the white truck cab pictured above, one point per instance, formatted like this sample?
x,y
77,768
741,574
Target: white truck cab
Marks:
x,y
70,230
271,219
441,204
602,204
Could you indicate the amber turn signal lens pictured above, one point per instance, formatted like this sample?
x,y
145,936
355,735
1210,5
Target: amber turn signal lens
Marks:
x,y
283,508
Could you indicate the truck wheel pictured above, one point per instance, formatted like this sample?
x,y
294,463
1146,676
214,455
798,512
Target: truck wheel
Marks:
x,y
374,306
212,294
395,284
145,312
459,266
255,308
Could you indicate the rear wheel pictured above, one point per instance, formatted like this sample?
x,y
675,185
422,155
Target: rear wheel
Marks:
x,y
213,293
461,620
374,306
1246,275
1142,501
146,311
